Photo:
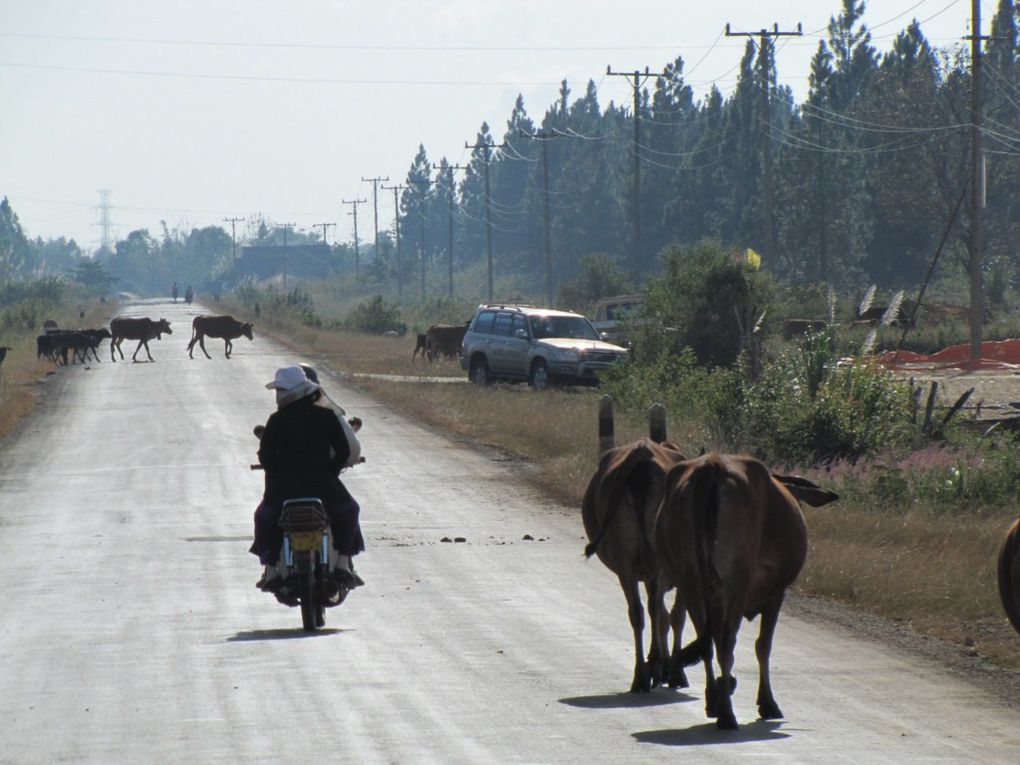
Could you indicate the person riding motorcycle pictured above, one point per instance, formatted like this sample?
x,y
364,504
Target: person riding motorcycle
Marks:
x,y
303,448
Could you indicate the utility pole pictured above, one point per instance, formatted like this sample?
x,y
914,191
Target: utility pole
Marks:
x,y
324,227
637,80
487,148
543,138
977,187
396,227
354,211
286,227
233,234
764,58
449,223
375,206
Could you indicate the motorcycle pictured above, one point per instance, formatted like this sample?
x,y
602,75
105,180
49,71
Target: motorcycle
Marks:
x,y
310,574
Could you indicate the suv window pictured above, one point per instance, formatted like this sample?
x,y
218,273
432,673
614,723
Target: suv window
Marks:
x,y
483,322
503,324
576,327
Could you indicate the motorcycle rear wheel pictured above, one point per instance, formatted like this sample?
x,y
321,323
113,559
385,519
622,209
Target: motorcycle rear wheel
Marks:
x,y
310,607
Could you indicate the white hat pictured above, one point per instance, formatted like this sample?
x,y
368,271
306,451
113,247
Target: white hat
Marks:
x,y
289,378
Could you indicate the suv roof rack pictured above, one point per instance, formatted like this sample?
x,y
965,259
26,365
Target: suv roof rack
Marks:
x,y
505,305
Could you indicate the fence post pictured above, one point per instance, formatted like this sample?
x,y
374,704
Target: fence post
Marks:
x,y
929,407
605,424
657,423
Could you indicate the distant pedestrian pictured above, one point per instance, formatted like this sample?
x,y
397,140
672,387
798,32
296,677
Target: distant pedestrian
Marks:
x,y
173,292
189,295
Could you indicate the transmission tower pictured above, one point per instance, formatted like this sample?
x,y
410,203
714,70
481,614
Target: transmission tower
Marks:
x,y
104,220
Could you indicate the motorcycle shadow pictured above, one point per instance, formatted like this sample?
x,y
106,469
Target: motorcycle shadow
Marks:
x,y
248,636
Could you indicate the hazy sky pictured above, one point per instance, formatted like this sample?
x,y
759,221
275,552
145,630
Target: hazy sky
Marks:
x,y
195,110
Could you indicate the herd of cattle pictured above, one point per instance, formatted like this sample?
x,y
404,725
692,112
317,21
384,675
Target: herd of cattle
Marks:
x,y
71,346
730,537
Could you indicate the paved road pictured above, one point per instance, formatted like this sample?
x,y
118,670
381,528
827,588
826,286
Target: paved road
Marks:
x,y
131,632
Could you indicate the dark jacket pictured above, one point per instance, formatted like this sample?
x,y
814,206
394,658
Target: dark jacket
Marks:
x,y
295,452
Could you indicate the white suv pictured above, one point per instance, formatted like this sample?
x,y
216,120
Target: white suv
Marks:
x,y
540,345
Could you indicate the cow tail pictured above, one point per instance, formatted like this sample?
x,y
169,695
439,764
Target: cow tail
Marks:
x,y
638,455
705,501
1010,598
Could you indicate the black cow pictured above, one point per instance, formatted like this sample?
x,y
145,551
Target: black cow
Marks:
x,y
225,327
141,329
3,353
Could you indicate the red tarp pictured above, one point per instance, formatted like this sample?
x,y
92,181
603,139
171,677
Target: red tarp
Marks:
x,y
999,354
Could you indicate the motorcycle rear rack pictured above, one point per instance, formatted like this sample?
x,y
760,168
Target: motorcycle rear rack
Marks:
x,y
304,514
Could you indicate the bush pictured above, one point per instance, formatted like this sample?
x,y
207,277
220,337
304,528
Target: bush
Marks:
x,y
697,302
296,303
375,317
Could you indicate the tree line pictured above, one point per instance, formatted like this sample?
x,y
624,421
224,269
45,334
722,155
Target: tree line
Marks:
x,y
867,172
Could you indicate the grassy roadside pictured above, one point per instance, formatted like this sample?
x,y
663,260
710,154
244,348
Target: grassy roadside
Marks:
x,y
932,571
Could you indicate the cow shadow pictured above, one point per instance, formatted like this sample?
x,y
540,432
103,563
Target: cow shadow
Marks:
x,y
249,636
628,700
709,735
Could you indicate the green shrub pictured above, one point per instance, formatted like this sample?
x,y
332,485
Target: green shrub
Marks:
x,y
376,317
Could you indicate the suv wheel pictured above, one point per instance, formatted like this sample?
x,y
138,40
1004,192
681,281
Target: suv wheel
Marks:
x,y
479,373
539,375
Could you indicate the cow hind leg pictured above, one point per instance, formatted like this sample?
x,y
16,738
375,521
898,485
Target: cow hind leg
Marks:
x,y
657,654
641,682
228,347
677,617
726,642
768,709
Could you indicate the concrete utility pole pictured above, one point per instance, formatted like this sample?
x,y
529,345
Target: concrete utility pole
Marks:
x,y
487,149
637,80
449,223
375,206
354,211
977,187
764,58
233,233
286,227
324,227
396,228
543,138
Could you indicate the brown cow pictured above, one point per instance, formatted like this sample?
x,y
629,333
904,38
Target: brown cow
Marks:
x,y
444,340
1009,574
225,327
618,511
732,537
142,329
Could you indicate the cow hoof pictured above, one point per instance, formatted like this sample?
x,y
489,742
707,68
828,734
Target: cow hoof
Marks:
x,y
678,678
727,721
770,711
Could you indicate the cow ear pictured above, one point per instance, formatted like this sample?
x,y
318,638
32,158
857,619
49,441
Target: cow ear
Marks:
x,y
806,491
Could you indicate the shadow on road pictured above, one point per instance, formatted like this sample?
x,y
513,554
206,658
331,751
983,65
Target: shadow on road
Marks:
x,y
626,699
708,735
294,634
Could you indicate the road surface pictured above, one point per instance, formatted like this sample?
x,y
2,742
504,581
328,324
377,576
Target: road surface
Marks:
x,y
131,630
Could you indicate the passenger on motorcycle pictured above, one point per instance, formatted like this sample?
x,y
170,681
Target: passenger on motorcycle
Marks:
x,y
303,448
